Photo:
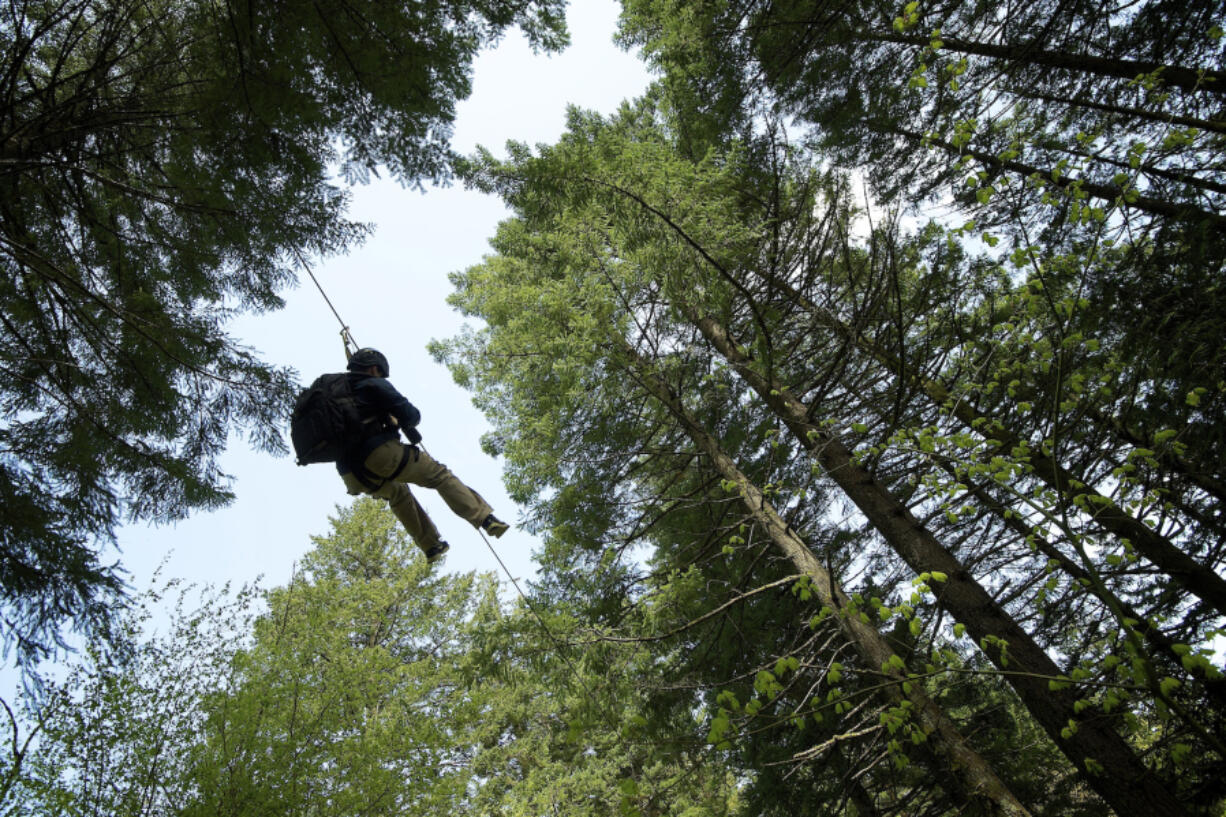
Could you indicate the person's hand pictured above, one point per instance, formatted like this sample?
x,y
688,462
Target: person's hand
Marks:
x,y
413,434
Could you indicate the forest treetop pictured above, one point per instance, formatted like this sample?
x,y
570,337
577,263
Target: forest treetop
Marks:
x,y
166,165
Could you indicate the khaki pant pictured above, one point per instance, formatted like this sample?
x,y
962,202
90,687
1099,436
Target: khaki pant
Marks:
x,y
421,469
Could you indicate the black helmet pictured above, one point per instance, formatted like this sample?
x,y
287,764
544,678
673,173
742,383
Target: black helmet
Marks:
x,y
363,359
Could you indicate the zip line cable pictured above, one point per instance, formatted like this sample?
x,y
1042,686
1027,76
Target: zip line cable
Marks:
x,y
346,335
347,338
557,642
563,647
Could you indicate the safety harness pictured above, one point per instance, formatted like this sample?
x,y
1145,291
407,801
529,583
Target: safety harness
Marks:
x,y
372,482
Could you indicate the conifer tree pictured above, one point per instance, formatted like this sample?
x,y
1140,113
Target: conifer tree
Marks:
x,y
697,265
163,167
369,682
347,691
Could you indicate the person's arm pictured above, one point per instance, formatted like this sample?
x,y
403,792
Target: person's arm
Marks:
x,y
395,404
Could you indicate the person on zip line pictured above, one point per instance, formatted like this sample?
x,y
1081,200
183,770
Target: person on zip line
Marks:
x,y
355,418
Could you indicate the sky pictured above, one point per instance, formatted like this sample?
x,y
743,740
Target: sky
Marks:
x,y
392,291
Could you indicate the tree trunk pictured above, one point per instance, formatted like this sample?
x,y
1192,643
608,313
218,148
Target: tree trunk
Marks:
x,y
1114,772
977,776
1160,118
1197,475
1104,192
1215,688
1190,574
1194,577
1188,79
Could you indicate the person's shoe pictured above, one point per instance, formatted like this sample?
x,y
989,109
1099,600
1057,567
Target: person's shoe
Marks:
x,y
494,526
435,553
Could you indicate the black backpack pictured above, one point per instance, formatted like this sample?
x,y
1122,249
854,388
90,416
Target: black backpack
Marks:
x,y
326,424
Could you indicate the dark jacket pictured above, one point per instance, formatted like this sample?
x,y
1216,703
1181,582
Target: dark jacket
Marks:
x,y
377,398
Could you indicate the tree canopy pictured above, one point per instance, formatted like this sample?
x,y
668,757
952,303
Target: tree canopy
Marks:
x,y
366,683
863,384
166,165
714,366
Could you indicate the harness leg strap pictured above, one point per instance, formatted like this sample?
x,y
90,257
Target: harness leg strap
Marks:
x,y
406,453
373,483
